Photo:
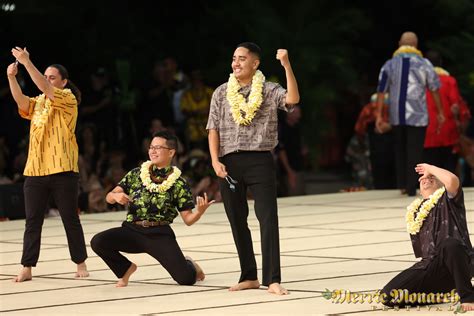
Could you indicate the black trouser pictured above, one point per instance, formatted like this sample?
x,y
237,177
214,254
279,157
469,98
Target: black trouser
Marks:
x,y
382,158
409,142
442,157
159,242
256,171
449,270
63,187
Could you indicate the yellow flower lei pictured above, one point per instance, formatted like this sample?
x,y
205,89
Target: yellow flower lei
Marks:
x,y
407,49
414,224
154,187
441,71
237,101
41,111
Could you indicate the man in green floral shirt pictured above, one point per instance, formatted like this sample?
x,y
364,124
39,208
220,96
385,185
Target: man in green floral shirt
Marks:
x,y
155,193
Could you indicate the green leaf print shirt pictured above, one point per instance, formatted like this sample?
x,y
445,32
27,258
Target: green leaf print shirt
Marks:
x,y
153,206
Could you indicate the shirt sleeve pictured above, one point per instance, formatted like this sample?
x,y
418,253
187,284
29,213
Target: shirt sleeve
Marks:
x,y
384,78
278,94
183,196
64,100
214,114
458,199
365,116
31,107
432,77
453,94
126,182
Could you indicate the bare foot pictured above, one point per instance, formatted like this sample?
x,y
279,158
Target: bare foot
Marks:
x,y
123,282
467,307
82,271
245,285
200,276
24,275
277,289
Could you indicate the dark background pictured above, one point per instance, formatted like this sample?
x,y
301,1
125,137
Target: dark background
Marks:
x,y
336,47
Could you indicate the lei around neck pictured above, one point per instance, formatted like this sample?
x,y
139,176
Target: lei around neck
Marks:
x,y
414,223
242,111
407,49
145,176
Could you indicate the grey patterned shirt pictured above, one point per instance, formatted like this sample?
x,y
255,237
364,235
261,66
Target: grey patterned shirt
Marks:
x,y
261,134
446,219
406,77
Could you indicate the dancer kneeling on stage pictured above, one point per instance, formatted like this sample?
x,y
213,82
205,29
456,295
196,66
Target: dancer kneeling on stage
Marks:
x,y
438,230
155,193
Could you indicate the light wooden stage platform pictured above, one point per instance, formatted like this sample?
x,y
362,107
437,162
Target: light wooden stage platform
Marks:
x,y
353,241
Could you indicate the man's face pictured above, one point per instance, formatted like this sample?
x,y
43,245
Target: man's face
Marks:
x,y
160,154
244,63
428,185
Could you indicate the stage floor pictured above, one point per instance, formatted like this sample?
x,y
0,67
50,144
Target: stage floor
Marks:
x,y
351,241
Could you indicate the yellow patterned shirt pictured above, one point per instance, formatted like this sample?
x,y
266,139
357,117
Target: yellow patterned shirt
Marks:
x,y
53,147
197,112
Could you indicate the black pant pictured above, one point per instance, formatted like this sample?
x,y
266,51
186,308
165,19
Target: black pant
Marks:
x,y
382,158
409,142
63,187
256,171
159,242
449,270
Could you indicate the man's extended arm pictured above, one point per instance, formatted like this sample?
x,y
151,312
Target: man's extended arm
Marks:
x,y
292,92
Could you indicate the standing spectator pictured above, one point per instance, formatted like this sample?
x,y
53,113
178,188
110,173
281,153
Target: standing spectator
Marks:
x,y
195,107
52,167
357,154
180,84
291,153
98,106
381,150
158,96
441,142
406,76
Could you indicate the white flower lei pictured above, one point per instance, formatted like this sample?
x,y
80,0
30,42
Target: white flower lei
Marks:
x,y
41,111
414,224
237,101
154,187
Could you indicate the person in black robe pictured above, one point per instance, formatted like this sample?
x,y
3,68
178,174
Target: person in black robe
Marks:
x,y
442,242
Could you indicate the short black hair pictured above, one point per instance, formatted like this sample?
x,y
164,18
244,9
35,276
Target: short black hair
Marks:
x,y
252,47
171,139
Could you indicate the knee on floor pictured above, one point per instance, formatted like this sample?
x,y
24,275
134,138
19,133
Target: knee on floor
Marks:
x,y
185,279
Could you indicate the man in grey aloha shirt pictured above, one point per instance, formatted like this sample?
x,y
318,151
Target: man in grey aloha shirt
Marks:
x,y
242,129
406,77
155,193
442,241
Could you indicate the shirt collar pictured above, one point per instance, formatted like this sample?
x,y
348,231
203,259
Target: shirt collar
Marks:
x,y
161,172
